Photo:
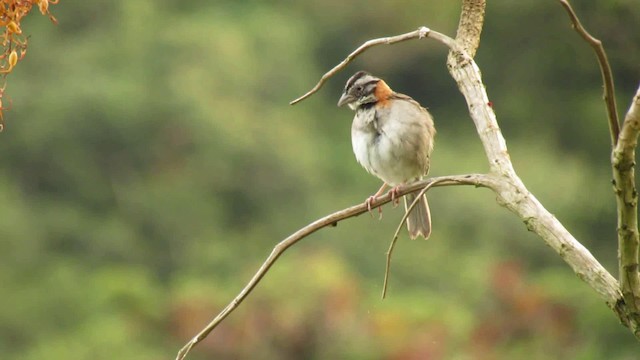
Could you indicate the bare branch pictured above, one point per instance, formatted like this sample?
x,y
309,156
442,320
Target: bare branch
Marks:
x,y
624,144
470,26
329,220
623,161
502,179
418,34
513,194
605,71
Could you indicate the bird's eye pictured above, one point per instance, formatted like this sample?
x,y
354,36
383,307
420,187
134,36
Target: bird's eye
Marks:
x,y
359,88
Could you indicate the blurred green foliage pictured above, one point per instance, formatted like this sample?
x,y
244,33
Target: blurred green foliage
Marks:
x,y
151,161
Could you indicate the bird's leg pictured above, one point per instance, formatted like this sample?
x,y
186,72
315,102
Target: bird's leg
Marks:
x,y
373,198
395,200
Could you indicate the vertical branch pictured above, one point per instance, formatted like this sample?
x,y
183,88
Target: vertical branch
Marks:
x,y
624,143
623,161
470,26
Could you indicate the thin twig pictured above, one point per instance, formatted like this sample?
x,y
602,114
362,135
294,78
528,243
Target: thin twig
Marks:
x,y
397,233
605,71
329,220
418,34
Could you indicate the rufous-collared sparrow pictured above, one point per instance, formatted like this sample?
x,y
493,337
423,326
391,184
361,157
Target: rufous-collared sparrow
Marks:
x,y
392,137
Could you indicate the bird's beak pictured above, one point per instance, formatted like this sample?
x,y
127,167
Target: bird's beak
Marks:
x,y
345,99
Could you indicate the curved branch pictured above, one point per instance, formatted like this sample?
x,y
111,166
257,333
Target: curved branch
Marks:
x,y
478,180
513,194
605,71
417,34
623,161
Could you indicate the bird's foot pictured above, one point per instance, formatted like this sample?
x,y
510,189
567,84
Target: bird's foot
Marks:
x,y
395,199
370,200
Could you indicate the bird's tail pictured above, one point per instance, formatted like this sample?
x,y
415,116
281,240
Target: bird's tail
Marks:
x,y
419,220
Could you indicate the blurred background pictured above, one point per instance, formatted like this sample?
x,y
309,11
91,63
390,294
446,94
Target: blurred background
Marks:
x,y
150,162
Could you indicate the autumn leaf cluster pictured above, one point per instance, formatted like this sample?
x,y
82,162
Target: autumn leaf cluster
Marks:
x,y
14,42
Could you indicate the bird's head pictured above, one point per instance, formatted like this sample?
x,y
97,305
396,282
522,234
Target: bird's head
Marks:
x,y
363,89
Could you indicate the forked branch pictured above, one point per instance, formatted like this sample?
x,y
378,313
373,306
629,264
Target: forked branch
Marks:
x,y
478,180
502,179
513,194
624,143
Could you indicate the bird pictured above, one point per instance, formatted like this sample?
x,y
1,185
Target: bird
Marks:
x,y
392,137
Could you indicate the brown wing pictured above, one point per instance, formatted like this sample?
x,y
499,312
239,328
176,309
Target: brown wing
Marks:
x,y
422,129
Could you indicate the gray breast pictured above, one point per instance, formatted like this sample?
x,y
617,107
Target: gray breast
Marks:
x,y
395,142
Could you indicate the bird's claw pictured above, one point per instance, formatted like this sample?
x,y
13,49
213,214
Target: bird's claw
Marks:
x,y
369,203
395,199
